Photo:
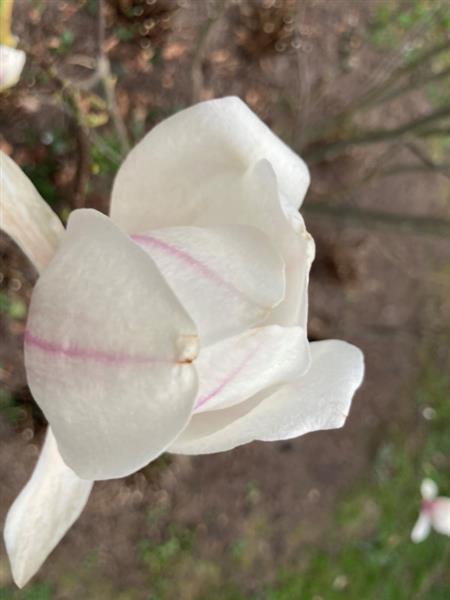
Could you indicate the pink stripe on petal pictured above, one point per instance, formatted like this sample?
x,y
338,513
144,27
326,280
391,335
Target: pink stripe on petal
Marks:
x,y
98,356
153,242
228,379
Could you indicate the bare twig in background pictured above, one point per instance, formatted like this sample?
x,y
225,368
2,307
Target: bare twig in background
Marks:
x,y
379,221
108,82
204,40
392,67
380,135
303,103
71,101
388,90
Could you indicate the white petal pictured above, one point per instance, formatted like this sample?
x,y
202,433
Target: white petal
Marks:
x,y
24,215
288,233
440,515
240,367
421,529
48,505
157,184
318,400
428,489
107,351
12,62
228,278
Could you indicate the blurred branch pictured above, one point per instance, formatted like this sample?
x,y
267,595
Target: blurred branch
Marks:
x,y
412,85
71,99
378,135
373,95
385,91
379,221
426,160
442,169
104,73
204,39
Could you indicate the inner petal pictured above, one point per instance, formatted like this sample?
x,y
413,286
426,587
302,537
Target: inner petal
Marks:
x,y
228,278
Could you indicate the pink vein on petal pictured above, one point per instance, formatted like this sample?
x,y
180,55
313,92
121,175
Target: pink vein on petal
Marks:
x,y
99,356
228,379
182,255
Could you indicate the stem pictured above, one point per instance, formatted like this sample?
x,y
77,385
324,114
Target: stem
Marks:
x,y
377,93
401,169
70,95
206,33
380,221
380,135
107,79
412,85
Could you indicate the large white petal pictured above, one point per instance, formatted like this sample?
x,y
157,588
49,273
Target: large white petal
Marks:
x,y
422,528
25,216
237,368
228,278
157,184
48,505
285,227
440,515
318,400
108,349
12,61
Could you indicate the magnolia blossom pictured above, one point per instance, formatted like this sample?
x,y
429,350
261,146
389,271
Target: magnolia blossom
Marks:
x,y
176,324
434,512
12,62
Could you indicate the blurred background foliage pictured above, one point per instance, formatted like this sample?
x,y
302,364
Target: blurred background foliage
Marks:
x,y
361,90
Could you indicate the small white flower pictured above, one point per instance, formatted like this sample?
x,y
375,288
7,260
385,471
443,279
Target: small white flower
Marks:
x,y
435,512
178,324
12,62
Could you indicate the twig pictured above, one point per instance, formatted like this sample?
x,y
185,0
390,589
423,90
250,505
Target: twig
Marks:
x,y
204,40
401,169
426,160
412,85
380,93
71,96
378,135
104,73
379,221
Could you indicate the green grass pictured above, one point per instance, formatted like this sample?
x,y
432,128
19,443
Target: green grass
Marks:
x,y
38,591
370,554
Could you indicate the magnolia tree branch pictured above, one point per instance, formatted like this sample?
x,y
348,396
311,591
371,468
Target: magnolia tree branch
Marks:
x,y
71,101
379,221
108,82
387,90
416,126
204,39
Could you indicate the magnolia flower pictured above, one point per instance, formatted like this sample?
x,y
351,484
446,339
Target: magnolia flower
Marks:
x,y
434,512
178,323
12,62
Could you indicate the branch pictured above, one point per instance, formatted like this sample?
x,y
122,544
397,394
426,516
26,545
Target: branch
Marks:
x,y
70,95
206,33
386,88
372,95
412,85
379,221
377,136
104,73
440,169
